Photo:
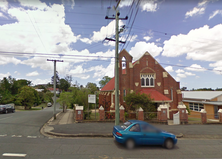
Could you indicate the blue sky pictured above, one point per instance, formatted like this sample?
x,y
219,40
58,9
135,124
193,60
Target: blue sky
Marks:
x,y
183,36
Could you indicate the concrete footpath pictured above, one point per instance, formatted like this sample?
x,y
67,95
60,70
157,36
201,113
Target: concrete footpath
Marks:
x,y
65,126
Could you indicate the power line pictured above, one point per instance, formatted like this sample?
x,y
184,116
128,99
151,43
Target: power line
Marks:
x,y
52,54
132,22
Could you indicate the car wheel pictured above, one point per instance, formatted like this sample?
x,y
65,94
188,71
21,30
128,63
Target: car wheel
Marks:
x,y
13,111
130,144
169,144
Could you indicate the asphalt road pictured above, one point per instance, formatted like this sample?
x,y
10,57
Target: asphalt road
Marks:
x,y
104,148
19,135
25,123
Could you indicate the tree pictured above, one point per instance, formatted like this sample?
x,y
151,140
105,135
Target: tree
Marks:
x,y
69,79
92,87
57,79
136,100
104,81
65,99
64,84
26,97
48,96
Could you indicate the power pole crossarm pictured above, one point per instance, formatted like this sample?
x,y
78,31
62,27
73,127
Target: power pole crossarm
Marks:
x,y
116,61
54,103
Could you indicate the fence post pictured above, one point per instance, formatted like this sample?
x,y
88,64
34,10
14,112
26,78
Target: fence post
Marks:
x,y
140,114
203,116
101,113
121,114
158,113
183,114
79,113
220,115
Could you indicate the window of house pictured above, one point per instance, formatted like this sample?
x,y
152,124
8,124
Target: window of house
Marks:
x,y
196,106
147,80
124,95
123,65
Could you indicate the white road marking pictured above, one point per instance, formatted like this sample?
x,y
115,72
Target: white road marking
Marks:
x,y
14,155
32,137
3,135
16,135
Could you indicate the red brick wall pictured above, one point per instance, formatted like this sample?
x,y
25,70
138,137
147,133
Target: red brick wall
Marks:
x,y
127,81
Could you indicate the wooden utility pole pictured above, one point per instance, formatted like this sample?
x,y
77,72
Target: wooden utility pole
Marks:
x,y
116,61
54,103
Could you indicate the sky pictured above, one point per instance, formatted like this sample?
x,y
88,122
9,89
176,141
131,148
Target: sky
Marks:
x,y
185,37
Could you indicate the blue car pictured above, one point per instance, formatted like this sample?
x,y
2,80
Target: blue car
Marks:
x,y
136,132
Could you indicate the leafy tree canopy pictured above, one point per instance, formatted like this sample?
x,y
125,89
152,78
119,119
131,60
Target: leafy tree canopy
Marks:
x,y
92,87
136,100
104,81
64,84
27,97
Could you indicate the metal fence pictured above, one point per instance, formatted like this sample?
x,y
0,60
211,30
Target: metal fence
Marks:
x,y
150,115
196,118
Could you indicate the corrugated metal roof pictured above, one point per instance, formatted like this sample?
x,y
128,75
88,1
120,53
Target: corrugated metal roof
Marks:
x,y
202,102
205,95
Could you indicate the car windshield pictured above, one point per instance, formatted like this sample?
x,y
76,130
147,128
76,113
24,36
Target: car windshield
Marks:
x,y
126,124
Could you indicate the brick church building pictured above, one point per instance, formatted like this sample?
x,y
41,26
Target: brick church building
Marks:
x,y
145,75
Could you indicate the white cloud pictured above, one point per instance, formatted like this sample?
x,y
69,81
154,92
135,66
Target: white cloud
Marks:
x,y
2,75
125,3
2,15
148,6
157,40
17,73
189,74
147,38
40,81
69,3
79,72
141,47
203,3
40,34
199,44
105,31
100,71
217,67
215,13
169,69
195,11
35,73
4,5
195,67
179,71
198,10
180,75
5,59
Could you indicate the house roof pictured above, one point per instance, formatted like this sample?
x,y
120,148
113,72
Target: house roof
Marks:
x,y
110,85
205,95
52,89
203,102
154,94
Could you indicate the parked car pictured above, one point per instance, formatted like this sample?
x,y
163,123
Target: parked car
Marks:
x,y
2,109
7,109
49,104
136,132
